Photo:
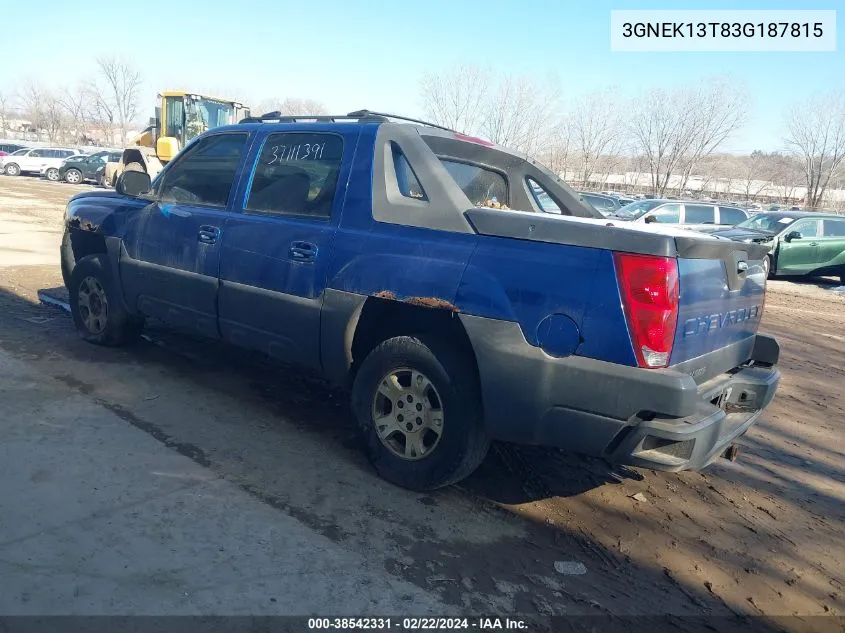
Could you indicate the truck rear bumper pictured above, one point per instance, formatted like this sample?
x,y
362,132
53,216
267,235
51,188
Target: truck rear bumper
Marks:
x,y
657,419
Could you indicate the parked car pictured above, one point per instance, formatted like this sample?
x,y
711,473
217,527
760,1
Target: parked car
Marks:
x,y
368,251
608,206
695,216
800,243
32,160
80,168
10,148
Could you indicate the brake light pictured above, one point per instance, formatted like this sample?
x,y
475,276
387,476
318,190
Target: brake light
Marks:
x,y
650,293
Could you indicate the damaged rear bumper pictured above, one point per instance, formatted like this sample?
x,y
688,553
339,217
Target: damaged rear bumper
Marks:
x,y
657,419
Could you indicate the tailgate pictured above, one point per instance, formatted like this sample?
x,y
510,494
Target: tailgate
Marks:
x,y
722,291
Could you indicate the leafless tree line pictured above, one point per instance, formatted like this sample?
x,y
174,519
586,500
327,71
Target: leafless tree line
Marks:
x,y
672,135
106,105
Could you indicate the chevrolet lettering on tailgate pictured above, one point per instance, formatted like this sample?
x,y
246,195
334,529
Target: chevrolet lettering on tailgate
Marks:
x,y
706,323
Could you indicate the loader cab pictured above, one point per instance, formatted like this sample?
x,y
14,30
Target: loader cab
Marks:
x,y
182,117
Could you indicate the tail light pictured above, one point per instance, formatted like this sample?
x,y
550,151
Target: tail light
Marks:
x,y
650,293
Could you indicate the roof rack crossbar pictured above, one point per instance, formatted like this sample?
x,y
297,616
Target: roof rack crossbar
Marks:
x,y
358,115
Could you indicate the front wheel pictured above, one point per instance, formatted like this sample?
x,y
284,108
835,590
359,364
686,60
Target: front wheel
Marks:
x,y
96,305
73,176
52,174
418,406
767,267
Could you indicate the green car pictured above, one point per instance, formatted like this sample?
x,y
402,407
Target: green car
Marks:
x,y
801,243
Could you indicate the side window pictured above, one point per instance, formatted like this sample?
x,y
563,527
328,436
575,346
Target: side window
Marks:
x,y
806,229
731,215
296,174
699,214
542,197
36,153
484,187
833,228
114,157
204,174
667,214
406,179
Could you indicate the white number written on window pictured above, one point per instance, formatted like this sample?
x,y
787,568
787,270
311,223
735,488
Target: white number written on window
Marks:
x,y
302,151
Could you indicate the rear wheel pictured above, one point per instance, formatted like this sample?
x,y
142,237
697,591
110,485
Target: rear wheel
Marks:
x,y
418,406
52,174
12,169
96,305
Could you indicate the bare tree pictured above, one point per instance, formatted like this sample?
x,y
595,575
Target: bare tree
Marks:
x,y
77,104
115,93
457,98
759,171
717,110
293,106
519,115
597,133
675,130
816,135
5,107
558,152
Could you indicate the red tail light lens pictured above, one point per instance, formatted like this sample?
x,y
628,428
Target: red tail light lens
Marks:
x,y
650,292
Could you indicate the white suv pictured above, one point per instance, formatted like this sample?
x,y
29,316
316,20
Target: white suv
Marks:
x,y
33,159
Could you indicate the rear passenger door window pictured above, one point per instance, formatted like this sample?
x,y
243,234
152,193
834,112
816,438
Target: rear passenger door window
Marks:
x,y
699,214
667,214
833,228
204,174
296,175
484,187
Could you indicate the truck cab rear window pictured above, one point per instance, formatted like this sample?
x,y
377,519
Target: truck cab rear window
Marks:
x,y
483,187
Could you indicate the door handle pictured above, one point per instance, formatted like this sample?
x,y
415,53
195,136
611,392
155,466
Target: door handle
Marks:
x,y
302,251
208,234
814,243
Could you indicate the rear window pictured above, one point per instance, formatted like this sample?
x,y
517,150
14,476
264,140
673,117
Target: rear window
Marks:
x,y
699,214
731,215
484,187
834,228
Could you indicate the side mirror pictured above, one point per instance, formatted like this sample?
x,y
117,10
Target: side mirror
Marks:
x,y
133,183
650,219
792,235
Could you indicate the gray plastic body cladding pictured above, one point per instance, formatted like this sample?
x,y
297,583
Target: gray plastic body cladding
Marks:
x,y
576,403
445,202
548,228
516,168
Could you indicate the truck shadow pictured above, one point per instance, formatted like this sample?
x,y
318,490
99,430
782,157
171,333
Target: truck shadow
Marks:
x,y
621,576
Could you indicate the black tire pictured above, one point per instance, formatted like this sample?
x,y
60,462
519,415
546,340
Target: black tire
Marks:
x,y
771,274
117,327
67,258
52,174
74,177
463,442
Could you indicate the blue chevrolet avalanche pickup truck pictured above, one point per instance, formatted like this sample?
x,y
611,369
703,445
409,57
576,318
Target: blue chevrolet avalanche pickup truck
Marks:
x,y
414,266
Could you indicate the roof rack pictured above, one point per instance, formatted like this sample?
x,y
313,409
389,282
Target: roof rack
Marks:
x,y
358,115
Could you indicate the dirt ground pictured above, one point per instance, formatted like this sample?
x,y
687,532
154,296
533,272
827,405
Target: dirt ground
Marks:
x,y
533,530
